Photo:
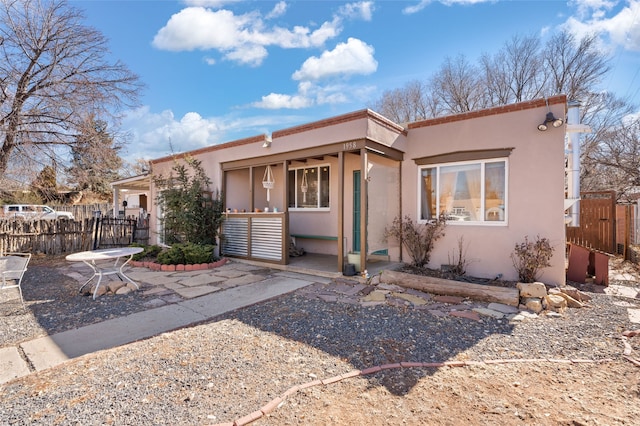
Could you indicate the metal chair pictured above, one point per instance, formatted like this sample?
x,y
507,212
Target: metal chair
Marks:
x,y
12,269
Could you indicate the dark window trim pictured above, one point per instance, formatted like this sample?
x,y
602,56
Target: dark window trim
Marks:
x,y
459,156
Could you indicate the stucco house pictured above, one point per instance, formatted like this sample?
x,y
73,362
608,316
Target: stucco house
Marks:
x,y
334,185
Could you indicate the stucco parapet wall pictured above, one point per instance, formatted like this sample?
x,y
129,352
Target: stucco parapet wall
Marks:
x,y
340,119
239,142
521,106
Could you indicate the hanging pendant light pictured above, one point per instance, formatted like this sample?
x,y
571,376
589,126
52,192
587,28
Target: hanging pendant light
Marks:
x,y
268,181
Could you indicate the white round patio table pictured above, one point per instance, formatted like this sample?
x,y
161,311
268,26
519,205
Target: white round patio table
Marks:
x,y
100,262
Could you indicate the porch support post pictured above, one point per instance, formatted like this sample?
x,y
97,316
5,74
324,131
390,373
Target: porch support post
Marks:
x,y
400,213
116,201
340,210
363,208
251,201
285,210
223,188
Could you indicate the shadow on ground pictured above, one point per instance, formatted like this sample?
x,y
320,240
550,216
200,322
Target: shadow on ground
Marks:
x,y
53,305
370,336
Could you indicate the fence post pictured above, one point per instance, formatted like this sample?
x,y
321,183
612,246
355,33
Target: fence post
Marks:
x,y
96,217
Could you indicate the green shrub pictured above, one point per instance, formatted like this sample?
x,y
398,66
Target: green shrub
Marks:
x,y
530,257
149,252
187,254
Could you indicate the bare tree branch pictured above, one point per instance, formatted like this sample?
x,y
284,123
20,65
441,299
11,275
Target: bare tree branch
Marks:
x,y
53,73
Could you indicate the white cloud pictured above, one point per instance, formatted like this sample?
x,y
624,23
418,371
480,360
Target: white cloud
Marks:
x,y
311,94
279,101
199,28
352,57
362,10
621,29
278,10
424,3
587,7
153,134
248,55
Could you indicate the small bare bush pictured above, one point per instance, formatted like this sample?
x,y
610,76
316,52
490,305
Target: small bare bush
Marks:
x,y
529,257
460,266
417,238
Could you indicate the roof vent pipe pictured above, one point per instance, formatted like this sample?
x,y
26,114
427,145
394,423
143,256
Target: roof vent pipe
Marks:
x,y
573,176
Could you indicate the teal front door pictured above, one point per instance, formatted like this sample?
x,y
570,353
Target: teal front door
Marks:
x,y
356,211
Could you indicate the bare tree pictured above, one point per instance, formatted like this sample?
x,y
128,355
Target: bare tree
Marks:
x,y
456,85
514,74
54,72
614,162
574,67
409,103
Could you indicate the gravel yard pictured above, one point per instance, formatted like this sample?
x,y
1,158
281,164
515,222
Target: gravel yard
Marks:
x,y
228,368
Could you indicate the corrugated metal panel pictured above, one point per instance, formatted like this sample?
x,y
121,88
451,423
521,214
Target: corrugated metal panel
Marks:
x,y
266,238
236,240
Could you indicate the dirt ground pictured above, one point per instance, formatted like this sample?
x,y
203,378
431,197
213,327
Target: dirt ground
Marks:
x,y
511,394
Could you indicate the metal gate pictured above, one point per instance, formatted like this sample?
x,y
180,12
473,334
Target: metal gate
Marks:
x,y
597,228
114,232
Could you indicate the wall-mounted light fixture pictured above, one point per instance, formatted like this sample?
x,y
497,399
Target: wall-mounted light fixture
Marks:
x,y
555,122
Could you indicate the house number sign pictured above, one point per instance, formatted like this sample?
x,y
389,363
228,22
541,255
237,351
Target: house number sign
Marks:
x,y
349,146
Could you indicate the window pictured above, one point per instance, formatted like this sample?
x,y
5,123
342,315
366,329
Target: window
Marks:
x,y
473,191
309,187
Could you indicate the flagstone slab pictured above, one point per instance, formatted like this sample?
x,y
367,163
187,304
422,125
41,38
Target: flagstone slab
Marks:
x,y
191,292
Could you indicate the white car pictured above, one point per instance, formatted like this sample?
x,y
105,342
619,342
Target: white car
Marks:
x,y
34,212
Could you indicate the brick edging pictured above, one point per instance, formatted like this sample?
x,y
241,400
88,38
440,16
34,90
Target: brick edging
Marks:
x,y
173,268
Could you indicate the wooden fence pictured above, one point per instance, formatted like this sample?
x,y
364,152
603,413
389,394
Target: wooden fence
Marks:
x,y
51,237
56,237
86,211
605,225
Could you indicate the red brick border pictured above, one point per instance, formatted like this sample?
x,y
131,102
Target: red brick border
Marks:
x,y
173,268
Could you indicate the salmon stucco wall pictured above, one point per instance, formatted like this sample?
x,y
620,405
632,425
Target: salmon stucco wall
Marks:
x,y
535,189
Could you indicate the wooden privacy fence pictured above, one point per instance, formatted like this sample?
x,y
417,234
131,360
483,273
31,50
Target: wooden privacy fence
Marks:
x,y
49,237
605,225
597,222
55,237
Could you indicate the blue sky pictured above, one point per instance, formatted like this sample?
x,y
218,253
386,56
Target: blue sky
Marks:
x,y
217,71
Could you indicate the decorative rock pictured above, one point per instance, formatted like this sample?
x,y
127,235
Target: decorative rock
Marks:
x,y
554,303
102,290
465,314
571,302
375,296
489,313
113,286
501,307
123,290
533,304
536,289
411,298
575,293
375,280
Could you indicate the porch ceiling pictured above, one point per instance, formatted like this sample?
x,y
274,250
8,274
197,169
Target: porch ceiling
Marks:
x,y
318,152
136,183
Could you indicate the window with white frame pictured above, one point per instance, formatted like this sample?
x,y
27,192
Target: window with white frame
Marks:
x,y
470,191
309,187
